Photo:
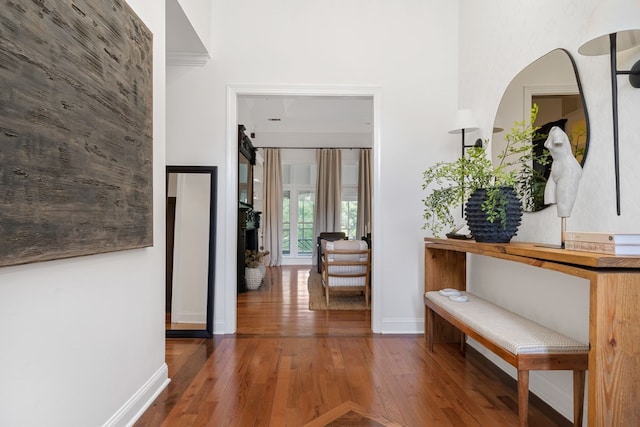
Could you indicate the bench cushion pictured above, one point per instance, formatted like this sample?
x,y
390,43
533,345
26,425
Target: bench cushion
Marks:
x,y
506,329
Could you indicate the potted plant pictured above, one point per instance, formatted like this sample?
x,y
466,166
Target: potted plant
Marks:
x,y
253,273
497,190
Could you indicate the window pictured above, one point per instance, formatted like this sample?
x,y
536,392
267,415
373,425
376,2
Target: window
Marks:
x,y
349,215
306,202
298,176
299,181
286,225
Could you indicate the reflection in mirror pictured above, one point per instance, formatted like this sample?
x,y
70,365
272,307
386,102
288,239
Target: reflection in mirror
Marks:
x,y
245,180
191,207
552,82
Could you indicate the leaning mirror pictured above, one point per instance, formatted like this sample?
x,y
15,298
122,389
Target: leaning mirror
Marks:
x,y
191,235
552,82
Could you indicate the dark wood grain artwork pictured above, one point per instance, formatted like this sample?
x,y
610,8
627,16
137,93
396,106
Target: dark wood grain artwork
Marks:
x,y
75,129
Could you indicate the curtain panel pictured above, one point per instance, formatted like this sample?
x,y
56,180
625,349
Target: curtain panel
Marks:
x,y
273,216
328,202
364,193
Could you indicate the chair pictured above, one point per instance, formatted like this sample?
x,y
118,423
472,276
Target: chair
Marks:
x,y
346,266
327,236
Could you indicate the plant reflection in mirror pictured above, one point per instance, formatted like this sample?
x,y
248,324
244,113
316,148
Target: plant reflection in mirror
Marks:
x,y
449,184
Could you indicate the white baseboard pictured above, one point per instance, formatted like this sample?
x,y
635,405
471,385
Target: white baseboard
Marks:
x,y
297,261
219,327
133,409
402,326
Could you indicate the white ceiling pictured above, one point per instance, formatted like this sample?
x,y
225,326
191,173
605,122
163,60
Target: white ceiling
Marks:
x,y
307,121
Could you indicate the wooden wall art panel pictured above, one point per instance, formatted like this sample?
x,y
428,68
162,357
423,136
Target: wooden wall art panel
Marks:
x,y
75,129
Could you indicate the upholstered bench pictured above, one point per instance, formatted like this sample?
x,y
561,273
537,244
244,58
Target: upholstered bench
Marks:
x,y
524,344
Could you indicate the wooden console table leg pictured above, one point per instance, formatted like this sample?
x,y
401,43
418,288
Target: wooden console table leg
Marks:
x,y
444,269
614,358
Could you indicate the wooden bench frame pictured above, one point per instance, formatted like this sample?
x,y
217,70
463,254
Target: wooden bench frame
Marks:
x,y
575,361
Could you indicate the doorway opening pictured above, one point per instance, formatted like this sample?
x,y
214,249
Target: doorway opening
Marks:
x,y
286,98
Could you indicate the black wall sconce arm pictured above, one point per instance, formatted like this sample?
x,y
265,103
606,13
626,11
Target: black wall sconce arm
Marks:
x,y
615,26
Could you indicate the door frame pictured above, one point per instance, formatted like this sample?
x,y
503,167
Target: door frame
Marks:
x,y
231,214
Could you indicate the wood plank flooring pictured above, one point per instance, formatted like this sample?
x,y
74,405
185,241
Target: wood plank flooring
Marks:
x,y
288,366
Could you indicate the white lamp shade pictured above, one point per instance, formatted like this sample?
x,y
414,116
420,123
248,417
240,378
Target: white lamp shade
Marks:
x,y
464,120
612,16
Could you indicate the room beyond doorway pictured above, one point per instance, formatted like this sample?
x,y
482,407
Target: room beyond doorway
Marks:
x,y
234,95
298,125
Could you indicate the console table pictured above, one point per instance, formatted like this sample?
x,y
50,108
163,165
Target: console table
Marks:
x,y
614,313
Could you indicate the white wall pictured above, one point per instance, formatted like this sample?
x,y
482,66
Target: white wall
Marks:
x,y
497,40
407,48
83,338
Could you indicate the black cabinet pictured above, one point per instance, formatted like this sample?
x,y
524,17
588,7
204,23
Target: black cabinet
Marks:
x,y
248,219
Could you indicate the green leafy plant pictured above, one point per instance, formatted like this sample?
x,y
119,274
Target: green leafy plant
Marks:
x,y
519,160
450,184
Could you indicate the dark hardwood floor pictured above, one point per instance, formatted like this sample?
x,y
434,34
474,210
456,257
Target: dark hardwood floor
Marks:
x,y
288,366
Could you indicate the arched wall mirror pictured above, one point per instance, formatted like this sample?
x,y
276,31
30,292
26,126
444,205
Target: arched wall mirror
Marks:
x,y
191,238
552,82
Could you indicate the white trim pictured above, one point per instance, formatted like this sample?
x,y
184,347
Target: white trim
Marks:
x,y
531,91
218,327
187,59
297,260
233,91
133,408
231,280
402,325
377,245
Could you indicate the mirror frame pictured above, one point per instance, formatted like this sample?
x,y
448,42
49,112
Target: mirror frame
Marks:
x,y
213,206
580,92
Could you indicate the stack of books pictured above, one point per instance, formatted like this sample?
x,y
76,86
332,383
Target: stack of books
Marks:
x,y
603,243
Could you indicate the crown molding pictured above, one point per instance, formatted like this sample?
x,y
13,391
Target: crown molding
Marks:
x,y
188,59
